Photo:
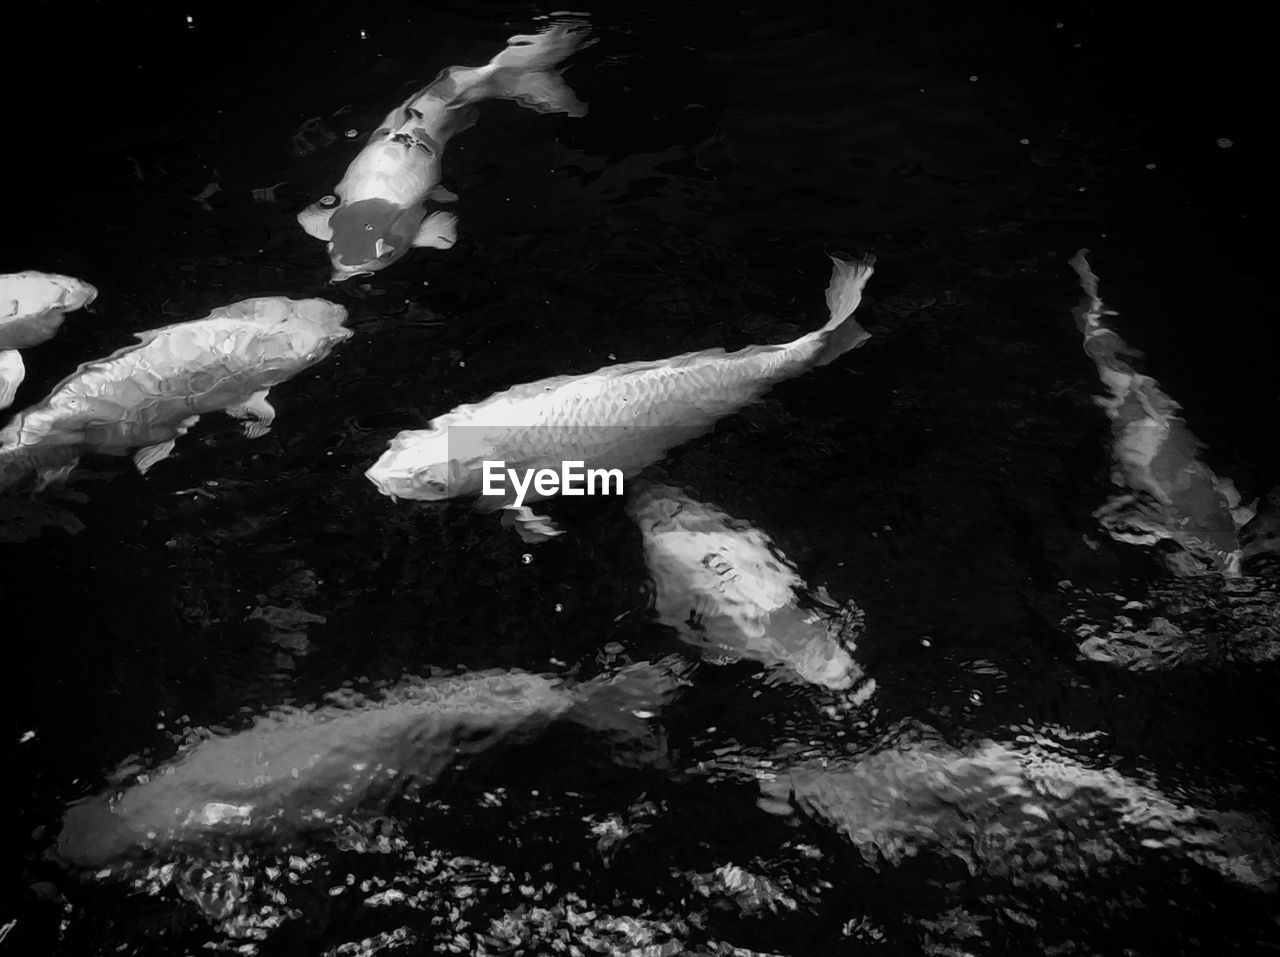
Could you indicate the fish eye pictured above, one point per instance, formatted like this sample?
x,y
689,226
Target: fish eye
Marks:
x,y
437,485
368,227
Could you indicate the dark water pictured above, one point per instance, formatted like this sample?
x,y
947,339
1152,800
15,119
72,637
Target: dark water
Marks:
x,y
942,476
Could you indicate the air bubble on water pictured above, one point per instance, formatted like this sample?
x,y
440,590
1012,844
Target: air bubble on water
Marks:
x,y
27,737
559,607
1024,141
1151,166
352,134
973,79
1224,143
926,641
975,697
526,559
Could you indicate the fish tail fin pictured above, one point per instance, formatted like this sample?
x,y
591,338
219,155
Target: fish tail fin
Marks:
x,y
12,372
1101,342
526,70
621,704
844,294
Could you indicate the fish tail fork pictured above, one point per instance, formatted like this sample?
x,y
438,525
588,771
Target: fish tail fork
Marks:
x,y
844,294
526,70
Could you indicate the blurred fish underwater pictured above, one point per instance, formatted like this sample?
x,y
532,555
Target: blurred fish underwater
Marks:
x,y
962,644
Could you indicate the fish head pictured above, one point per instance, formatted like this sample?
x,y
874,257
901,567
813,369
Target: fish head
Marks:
x,y
299,330
656,508
77,294
417,465
315,327
367,236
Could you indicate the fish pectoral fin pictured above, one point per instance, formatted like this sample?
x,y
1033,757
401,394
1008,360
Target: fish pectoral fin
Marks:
x,y
315,220
438,231
12,372
54,476
187,424
152,455
440,194
533,529
256,413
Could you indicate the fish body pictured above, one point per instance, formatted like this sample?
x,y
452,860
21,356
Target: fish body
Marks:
x,y
1028,812
32,308
624,417
296,770
723,585
1172,495
377,213
145,396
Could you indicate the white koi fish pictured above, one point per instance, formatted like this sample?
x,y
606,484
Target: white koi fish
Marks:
x,y
376,214
1028,812
1172,496
144,396
297,769
723,585
623,417
32,307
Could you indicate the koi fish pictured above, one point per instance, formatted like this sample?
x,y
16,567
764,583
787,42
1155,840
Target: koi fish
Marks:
x,y
297,769
32,308
376,214
624,417
1172,495
143,397
1025,811
723,585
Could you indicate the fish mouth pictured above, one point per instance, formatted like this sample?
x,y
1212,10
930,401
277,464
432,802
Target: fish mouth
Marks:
x,y
394,487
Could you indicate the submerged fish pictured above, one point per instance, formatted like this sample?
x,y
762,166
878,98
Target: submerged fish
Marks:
x,y
296,770
624,417
143,397
724,586
1028,812
1173,496
376,214
32,307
